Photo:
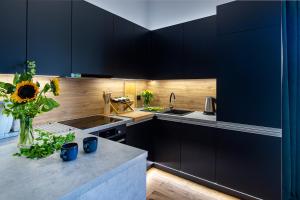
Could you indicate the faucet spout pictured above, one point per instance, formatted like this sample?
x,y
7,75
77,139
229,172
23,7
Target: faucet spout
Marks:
x,y
172,100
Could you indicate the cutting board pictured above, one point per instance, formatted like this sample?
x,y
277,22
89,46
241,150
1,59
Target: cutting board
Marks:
x,y
137,116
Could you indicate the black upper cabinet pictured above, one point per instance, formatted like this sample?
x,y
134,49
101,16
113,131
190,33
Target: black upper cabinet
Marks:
x,y
245,15
199,48
166,143
198,151
249,163
49,36
142,43
123,66
92,39
249,80
167,52
131,45
12,35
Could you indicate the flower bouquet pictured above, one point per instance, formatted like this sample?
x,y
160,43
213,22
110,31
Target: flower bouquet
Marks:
x,y
148,96
24,99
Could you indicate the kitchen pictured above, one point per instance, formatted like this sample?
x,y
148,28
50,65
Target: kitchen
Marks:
x,y
196,100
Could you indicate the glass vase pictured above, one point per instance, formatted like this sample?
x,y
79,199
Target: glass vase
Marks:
x,y
26,133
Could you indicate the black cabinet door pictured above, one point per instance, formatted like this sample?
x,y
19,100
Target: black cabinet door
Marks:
x,y
200,48
166,144
198,151
239,16
141,52
139,136
49,36
249,163
12,35
123,48
92,39
249,79
167,52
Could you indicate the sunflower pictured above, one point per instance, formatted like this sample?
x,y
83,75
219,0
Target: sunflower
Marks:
x,y
25,91
55,86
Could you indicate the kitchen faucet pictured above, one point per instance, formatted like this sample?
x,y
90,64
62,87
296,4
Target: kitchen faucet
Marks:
x,y
172,101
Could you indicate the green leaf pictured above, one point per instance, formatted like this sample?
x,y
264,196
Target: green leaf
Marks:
x,y
16,79
46,87
45,144
9,88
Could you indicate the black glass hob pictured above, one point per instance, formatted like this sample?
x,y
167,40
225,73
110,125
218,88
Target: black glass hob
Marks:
x,y
90,122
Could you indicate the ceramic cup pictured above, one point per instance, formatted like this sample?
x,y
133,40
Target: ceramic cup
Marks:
x,y
69,151
90,144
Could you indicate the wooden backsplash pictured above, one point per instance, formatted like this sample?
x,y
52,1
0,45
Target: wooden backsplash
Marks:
x,y
190,94
83,97
80,97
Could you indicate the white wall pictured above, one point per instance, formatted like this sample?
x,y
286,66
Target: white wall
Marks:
x,y
133,10
154,14
162,13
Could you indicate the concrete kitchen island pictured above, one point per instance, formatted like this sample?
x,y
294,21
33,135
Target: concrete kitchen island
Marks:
x,y
115,171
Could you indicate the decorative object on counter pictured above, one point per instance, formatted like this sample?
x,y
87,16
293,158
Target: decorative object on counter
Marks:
x,y
5,122
106,98
210,106
24,100
154,109
90,144
45,145
69,151
148,97
121,105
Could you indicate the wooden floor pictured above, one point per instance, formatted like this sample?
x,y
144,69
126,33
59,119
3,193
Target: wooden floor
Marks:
x,y
165,186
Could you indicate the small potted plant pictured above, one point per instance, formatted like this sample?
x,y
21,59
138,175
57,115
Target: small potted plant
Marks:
x,y
148,97
24,99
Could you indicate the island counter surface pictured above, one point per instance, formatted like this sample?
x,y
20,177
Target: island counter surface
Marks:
x,y
114,171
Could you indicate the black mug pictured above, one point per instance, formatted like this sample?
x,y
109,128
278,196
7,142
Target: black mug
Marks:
x,y
69,151
90,144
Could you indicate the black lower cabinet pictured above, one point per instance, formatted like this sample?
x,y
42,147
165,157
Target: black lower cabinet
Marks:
x,y
249,163
166,143
245,162
198,151
139,136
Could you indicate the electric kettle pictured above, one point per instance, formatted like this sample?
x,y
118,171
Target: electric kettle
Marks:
x,y
210,106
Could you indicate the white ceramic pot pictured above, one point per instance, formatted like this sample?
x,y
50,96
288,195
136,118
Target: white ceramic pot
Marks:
x,y
5,122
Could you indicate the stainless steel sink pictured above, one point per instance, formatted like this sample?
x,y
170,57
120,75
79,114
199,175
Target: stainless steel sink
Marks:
x,y
177,112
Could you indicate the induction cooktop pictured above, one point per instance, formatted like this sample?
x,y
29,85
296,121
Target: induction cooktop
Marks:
x,y
90,122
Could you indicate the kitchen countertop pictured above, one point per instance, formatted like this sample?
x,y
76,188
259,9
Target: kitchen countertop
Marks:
x,y
193,117
198,118
51,178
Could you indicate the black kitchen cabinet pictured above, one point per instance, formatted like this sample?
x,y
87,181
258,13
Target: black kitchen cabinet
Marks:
x,y
167,52
166,143
140,136
131,50
239,16
92,39
198,151
200,48
12,35
49,36
124,56
142,42
249,163
249,77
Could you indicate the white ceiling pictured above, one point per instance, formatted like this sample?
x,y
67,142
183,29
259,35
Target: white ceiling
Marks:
x,y
154,14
